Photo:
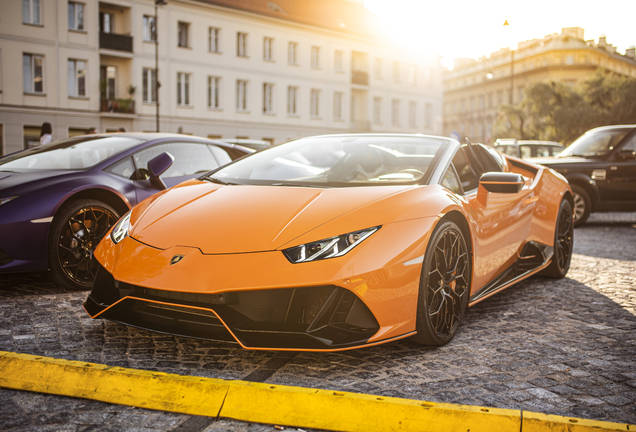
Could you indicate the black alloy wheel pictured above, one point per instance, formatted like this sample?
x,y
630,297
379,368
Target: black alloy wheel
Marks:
x,y
75,233
563,242
444,286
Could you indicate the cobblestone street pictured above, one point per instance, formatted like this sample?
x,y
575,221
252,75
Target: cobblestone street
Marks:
x,y
565,347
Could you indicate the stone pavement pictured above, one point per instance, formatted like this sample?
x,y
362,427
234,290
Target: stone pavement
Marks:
x,y
565,347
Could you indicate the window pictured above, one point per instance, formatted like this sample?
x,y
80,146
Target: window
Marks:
x,y
268,98
451,182
472,103
428,76
149,81
377,110
183,89
397,71
241,95
482,102
338,97
395,112
292,100
150,30
241,44
268,49
214,92
413,75
183,34
338,61
76,78
428,116
214,39
107,76
31,12
314,109
189,158
412,114
32,66
315,57
75,16
292,53
106,22
569,60
377,68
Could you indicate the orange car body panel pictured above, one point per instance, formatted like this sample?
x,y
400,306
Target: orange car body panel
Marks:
x,y
230,244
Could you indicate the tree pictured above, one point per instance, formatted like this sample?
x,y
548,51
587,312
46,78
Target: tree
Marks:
x,y
558,111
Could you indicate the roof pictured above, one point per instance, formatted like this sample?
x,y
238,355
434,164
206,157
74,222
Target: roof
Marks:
x,y
343,16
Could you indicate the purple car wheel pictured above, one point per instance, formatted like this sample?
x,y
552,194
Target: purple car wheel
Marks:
x,y
444,286
75,233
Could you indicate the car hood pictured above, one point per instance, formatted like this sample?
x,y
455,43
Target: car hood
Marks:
x,y
241,218
26,181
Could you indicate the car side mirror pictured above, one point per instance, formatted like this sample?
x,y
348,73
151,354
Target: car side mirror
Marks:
x,y
157,166
626,155
498,182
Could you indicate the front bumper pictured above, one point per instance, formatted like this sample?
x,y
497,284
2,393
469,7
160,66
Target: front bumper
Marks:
x,y
307,318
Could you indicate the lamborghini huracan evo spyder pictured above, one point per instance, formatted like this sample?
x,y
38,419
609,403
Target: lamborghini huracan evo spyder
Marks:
x,y
334,242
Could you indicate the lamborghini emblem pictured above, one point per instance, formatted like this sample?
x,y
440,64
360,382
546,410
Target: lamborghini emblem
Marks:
x,y
175,259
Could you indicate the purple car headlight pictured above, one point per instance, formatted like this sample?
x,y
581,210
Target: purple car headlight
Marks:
x,y
328,248
120,231
6,200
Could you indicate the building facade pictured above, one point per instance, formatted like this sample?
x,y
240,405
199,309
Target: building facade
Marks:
x,y
256,69
474,89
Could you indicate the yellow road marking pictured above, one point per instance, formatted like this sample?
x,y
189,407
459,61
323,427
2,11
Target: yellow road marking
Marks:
x,y
272,404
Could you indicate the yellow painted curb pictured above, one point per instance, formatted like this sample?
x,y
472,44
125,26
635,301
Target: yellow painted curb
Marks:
x,y
145,389
271,404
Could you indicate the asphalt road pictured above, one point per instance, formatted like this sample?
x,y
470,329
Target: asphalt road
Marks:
x,y
565,347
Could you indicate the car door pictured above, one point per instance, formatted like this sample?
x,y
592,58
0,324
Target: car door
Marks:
x,y
501,222
190,160
620,181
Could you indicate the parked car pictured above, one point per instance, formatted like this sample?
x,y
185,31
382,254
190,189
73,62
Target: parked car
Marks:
x,y
528,148
358,240
58,200
249,143
601,168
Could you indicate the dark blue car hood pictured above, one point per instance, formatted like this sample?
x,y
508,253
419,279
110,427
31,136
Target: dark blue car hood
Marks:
x,y
22,181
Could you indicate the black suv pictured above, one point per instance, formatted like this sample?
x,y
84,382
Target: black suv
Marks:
x,y
601,168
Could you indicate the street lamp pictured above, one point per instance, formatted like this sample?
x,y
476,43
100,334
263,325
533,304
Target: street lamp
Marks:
x,y
157,84
512,68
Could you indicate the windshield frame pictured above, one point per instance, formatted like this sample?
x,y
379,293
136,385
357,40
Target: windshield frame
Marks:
x,y
443,148
625,131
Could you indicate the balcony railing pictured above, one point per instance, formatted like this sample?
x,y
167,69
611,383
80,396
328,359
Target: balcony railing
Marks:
x,y
359,77
116,42
125,106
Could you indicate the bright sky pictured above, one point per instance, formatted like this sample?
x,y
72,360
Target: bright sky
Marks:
x,y
469,28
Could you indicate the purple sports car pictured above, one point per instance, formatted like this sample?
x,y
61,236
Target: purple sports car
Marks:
x,y
58,200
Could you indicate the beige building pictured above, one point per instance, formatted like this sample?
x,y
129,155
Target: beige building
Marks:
x,y
255,69
474,89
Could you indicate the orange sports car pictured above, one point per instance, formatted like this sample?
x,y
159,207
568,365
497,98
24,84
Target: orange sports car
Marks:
x,y
334,242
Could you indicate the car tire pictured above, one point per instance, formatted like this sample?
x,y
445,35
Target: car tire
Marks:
x,y
444,286
563,242
77,228
582,205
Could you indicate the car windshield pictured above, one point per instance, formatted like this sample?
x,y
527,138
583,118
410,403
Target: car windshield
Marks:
x,y
337,161
595,143
69,154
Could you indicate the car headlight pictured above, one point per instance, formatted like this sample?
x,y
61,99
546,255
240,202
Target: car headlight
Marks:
x,y
120,231
6,200
328,248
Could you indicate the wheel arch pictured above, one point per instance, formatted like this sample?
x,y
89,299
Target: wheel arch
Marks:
x,y
586,183
458,218
108,196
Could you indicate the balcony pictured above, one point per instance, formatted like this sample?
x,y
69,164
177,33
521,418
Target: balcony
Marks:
x,y
359,77
116,42
122,106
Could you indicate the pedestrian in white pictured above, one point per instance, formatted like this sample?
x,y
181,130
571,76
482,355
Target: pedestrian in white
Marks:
x,y
45,133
